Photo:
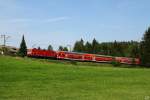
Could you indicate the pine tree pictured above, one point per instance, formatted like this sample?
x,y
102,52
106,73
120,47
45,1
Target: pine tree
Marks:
x,y
76,47
88,47
65,49
50,47
60,48
145,49
39,48
134,51
79,46
95,46
82,45
23,48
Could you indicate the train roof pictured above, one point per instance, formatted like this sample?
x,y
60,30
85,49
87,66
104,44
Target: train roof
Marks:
x,y
85,53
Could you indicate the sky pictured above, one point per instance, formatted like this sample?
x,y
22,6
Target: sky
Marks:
x,y
62,22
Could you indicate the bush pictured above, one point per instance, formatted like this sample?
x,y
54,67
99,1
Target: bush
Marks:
x,y
115,63
73,62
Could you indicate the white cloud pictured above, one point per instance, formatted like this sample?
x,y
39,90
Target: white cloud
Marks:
x,y
28,20
57,19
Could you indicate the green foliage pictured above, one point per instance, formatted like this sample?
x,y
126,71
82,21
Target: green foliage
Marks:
x,y
135,51
88,47
23,48
79,46
116,48
65,49
61,48
145,49
73,62
95,46
50,47
115,63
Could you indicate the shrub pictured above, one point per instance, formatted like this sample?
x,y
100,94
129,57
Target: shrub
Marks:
x,y
115,63
73,62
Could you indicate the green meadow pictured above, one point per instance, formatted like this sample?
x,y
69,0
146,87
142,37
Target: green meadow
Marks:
x,y
32,79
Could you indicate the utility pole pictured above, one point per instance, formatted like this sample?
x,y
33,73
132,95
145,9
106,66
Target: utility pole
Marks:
x,y
4,37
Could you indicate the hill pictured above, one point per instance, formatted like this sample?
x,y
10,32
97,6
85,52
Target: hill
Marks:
x,y
30,79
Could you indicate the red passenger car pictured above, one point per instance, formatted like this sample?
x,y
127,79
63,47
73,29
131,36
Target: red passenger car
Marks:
x,y
126,60
89,57
102,58
69,55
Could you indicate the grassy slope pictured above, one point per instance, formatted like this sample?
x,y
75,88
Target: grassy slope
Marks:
x,y
27,79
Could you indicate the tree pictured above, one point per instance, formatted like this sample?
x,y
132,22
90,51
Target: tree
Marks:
x,y
104,48
79,46
60,48
115,48
39,48
23,48
135,51
88,47
145,49
65,49
95,46
50,47
76,46
82,45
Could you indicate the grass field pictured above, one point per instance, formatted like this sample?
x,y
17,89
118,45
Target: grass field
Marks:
x,y
30,79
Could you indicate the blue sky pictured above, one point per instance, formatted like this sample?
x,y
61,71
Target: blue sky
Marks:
x,y
62,22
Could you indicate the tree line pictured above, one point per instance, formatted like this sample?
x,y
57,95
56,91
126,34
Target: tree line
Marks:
x,y
50,47
116,48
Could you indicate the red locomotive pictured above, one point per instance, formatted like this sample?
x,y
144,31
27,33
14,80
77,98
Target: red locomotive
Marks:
x,y
80,56
41,53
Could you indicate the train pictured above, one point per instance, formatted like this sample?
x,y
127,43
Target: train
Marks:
x,y
75,56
